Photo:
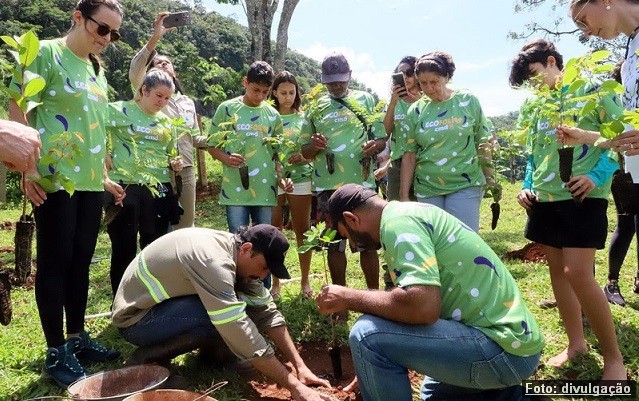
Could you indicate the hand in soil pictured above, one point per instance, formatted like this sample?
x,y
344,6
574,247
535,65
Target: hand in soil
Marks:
x,y
580,187
309,378
352,386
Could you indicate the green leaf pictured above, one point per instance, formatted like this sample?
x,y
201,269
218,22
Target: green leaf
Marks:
x,y
612,86
47,184
67,184
599,55
31,46
611,129
589,107
10,41
30,105
304,248
576,85
34,87
47,159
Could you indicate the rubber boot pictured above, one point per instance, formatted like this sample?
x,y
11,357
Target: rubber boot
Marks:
x,y
163,352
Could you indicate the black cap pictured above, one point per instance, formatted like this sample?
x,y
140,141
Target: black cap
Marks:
x,y
270,242
346,199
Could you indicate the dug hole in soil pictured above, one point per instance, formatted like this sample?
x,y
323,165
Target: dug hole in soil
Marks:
x,y
530,253
318,360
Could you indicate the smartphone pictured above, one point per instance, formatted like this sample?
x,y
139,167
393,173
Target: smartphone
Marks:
x,y
398,79
177,19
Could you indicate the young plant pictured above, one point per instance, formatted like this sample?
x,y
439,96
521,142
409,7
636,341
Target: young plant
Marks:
x,y
226,139
584,83
319,237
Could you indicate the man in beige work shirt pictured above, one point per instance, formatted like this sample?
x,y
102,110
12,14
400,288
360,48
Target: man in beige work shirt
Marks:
x,y
197,286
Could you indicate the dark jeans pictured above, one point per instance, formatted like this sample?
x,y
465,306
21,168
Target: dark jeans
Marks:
x,y
170,318
140,214
67,231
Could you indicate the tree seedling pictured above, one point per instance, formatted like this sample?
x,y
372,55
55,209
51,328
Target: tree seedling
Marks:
x,y
319,237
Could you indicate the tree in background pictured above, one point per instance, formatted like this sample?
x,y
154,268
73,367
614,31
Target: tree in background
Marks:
x,y
556,13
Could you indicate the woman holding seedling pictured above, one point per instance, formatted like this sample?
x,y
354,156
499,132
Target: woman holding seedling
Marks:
x,y
568,218
73,101
448,149
143,145
285,94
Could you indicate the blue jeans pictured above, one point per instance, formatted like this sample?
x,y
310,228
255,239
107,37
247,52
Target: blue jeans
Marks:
x,y
459,361
237,216
463,204
170,318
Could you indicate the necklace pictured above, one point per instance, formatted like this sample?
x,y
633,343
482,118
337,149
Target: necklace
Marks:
x,y
630,38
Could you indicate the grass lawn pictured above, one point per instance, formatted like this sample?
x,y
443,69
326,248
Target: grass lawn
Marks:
x,y
22,344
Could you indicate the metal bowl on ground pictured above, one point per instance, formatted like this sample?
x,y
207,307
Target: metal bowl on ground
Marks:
x,y
116,385
168,395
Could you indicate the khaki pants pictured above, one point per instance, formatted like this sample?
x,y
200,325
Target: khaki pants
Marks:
x,y
187,198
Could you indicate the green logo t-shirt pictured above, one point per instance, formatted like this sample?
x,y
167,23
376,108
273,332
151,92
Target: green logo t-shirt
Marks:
x,y
298,173
74,100
142,144
238,128
444,137
424,245
346,135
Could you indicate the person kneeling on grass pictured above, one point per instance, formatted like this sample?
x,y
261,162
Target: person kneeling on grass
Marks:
x,y
202,288
455,313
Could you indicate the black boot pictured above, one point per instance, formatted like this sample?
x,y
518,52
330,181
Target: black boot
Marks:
x,y
163,352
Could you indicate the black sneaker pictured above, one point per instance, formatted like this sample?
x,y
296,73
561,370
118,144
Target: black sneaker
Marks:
x,y
61,364
91,350
613,293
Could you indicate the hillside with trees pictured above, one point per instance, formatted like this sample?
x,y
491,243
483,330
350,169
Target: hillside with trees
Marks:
x,y
210,56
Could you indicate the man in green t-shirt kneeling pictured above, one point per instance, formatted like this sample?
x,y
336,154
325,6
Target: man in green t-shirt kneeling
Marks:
x,y
454,312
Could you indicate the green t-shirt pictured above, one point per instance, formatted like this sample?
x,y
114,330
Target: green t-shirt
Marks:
x,y
400,130
142,144
542,145
298,173
346,135
247,135
424,245
74,100
444,137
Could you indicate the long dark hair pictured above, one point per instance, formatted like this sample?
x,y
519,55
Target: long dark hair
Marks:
x,y
282,77
90,7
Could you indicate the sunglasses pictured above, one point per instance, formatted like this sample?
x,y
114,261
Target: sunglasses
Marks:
x,y
582,26
409,72
104,30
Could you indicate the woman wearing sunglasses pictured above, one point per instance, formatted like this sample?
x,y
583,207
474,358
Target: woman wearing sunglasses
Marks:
x,y
178,106
74,100
401,99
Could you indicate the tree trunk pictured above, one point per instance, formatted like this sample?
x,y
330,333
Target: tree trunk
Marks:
x,y
259,14
281,45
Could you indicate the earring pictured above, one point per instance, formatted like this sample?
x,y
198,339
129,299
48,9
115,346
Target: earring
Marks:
x,y
607,7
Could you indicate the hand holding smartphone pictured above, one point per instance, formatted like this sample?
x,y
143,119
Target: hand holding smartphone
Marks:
x,y
398,79
177,19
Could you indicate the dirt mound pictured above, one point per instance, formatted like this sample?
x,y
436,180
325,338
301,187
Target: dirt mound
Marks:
x,y
211,190
316,357
530,253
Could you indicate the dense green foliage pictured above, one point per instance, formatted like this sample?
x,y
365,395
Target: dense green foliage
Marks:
x,y
210,55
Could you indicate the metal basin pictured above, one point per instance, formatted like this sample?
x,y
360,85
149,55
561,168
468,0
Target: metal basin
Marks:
x,y
116,385
168,395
